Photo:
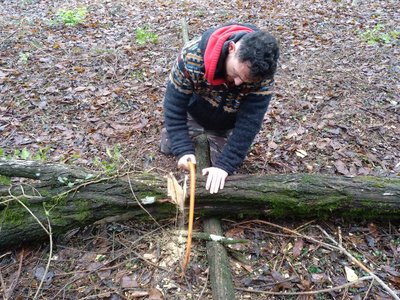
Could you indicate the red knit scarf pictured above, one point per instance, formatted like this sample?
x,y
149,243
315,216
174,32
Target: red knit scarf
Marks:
x,y
214,48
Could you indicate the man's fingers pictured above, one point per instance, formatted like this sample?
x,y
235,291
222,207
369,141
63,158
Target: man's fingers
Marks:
x,y
183,161
215,179
209,180
222,184
213,183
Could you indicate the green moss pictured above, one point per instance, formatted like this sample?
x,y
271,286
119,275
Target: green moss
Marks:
x,y
45,192
310,179
378,185
13,215
83,210
379,182
5,180
282,204
59,200
362,214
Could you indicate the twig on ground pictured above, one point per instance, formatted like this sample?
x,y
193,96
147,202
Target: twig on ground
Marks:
x,y
304,225
211,237
110,261
360,264
48,261
5,254
107,294
294,232
204,287
270,232
3,286
15,281
336,288
144,259
369,289
7,38
340,236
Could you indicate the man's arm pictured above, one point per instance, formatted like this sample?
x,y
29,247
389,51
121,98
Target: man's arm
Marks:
x,y
248,123
247,126
177,96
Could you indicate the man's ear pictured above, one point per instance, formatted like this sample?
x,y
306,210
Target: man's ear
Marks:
x,y
232,47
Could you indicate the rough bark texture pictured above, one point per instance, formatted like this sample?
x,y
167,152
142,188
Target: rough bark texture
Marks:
x,y
220,274
294,195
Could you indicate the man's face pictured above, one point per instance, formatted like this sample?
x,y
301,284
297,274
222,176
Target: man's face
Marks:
x,y
236,72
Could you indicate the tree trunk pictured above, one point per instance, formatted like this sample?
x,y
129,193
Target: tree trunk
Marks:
x,y
89,199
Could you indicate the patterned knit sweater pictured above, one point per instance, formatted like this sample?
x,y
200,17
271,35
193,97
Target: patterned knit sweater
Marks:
x,y
215,107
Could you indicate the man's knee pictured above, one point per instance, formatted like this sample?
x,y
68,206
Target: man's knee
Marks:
x,y
216,144
165,143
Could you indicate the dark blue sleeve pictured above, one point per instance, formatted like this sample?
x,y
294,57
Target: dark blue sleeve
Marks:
x,y
177,96
248,124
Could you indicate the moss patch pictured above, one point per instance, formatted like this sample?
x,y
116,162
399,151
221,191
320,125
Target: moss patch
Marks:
x,y
13,215
5,180
83,210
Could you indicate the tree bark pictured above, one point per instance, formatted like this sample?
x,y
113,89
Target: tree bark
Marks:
x,y
92,199
220,273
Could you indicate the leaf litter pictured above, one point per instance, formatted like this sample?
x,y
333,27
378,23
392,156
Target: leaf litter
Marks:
x,y
79,91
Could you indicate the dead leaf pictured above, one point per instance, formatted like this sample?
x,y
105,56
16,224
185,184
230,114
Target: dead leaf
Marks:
x,y
155,294
175,191
79,69
281,282
272,145
121,128
374,231
364,171
305,284
318,278
138,294
104,274
150,256
391,270
3,75
80,89
329,116
248,268
298,246
350,274
128,282
235,232
95,266
52,90
301,153
395,280
341,167
335,145
322,144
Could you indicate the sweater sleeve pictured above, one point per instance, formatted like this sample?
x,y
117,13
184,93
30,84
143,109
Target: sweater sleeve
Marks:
x,y
248,124
177,96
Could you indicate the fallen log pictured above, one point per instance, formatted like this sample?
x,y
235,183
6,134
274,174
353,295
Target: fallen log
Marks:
x,y
71,197
222,286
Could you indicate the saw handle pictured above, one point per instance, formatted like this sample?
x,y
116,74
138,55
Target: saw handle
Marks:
x,y
192,173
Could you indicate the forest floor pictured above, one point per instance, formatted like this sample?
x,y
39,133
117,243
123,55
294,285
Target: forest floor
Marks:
x,y
91,95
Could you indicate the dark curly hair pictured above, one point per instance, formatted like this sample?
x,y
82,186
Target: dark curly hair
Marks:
x,y
261,50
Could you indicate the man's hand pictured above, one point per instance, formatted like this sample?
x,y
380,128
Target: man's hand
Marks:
x,y
215,180
183,161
